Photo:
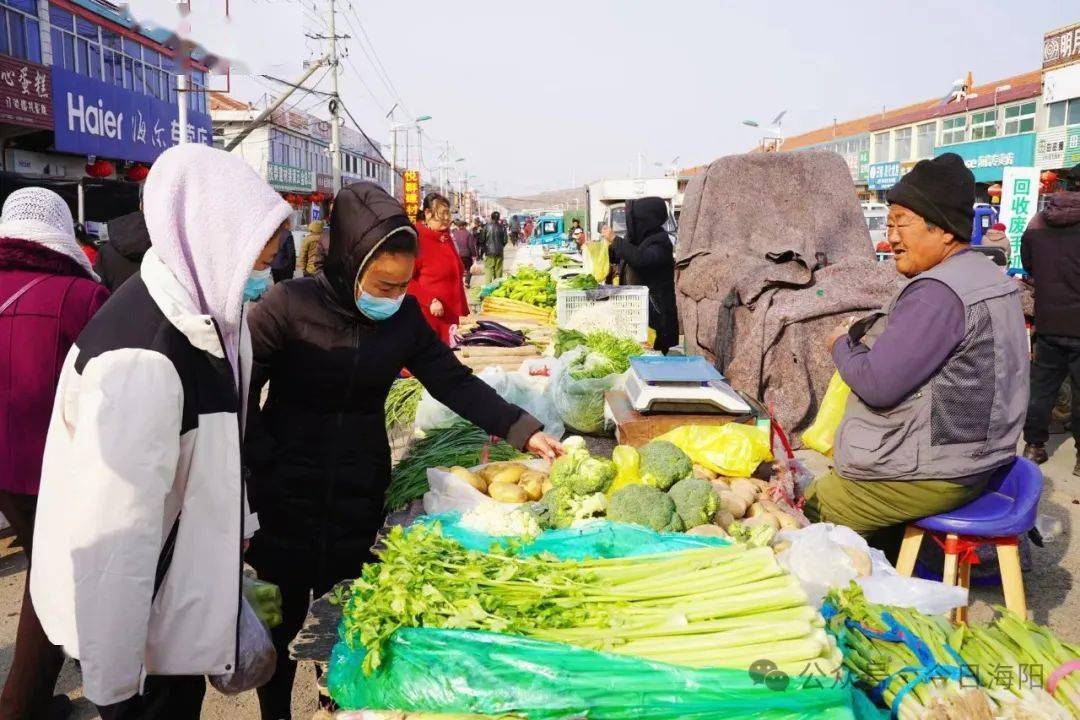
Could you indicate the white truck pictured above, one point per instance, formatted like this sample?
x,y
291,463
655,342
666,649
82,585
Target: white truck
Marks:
x,y
605,200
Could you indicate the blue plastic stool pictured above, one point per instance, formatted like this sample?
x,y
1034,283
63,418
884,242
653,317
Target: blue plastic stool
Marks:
x,y
1004,511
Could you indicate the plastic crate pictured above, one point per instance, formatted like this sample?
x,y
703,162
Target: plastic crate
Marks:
x,y
619,309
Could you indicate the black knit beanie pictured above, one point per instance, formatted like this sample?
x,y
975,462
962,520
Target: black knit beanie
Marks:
x,y
941,191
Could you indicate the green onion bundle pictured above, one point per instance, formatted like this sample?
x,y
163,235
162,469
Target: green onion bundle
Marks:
x,y
710,607
938,670
460,444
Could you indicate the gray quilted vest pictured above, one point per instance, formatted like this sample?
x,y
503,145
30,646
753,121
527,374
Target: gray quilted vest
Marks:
x,y
967,417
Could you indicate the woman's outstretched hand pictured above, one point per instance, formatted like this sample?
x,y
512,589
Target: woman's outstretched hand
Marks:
x,y
544,446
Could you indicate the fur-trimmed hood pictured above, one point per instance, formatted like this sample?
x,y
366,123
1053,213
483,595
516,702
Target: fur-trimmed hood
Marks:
x,y
16,254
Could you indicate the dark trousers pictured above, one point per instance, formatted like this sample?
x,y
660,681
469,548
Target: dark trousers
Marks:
x,y
467,263
165,697
1056,357
300,576
31,680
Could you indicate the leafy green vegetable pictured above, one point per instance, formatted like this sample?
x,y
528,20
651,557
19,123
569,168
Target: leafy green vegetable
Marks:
x,y
644,505
580,282
695,501
402,401
617,349
760,535
460,444
563,260
717,606
663,464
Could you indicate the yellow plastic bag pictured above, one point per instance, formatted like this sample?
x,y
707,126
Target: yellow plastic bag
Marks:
x,y
594,255
819,436
627,466
732,450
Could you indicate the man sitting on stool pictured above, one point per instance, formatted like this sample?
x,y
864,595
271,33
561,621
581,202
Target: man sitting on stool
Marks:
x,y
939,377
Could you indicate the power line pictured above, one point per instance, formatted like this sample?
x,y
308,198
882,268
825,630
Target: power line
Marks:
x,y
356,72
375,60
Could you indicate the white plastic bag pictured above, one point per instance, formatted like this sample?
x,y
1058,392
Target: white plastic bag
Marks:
x,y
819,562
519,389
580,402
449,493
256,657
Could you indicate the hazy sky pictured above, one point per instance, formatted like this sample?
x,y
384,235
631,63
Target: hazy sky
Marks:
x,y
537,95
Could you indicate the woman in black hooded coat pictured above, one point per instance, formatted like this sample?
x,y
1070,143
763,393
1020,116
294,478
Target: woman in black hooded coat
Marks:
x,y
646,256
317,449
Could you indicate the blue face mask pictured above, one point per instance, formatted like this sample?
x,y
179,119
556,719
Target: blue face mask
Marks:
x,y
378,308
257,284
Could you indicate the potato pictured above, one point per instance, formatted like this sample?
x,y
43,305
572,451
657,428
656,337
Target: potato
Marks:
x,y
529,475
707,530
546,486
745,489
533,487
723,517
787,520
761,485
503,472
472,478
734,503
757,510
700,471
507,492
763,519
861,561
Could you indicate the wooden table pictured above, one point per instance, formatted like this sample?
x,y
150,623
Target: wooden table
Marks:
x,y
636,429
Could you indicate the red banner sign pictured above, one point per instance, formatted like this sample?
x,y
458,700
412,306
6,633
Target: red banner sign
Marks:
x,y
412,193
25,93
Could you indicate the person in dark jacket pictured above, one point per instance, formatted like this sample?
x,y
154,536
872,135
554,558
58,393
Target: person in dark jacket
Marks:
x,y
646,256
120,257
47,295
1050,252
331,346
494,244
283,266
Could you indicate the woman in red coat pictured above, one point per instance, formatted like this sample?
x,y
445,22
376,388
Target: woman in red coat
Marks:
x,y
437,278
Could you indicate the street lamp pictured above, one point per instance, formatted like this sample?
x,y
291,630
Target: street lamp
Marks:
x,y
393,148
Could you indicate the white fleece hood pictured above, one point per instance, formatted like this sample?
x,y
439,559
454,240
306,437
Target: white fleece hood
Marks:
x,y
209,216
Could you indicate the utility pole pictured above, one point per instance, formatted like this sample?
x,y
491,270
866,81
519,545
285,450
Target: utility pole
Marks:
x,y
261,117
335,103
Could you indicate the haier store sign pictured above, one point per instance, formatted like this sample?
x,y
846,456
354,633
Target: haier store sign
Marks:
x,y
95,118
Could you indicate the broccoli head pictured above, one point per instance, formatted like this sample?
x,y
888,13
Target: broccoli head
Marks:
x,y
560,508
580,473
695,501
644,505
663,464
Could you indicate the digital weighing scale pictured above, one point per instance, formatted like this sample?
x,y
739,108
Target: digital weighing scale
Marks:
x,y
658,384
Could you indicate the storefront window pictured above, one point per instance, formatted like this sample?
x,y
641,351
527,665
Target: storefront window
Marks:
x,y
984,125
954,130
903,144
1020,118
1073,116
881,147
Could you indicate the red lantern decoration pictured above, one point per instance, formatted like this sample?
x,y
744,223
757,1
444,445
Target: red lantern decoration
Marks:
x,y
137,172
994,191
1049,177
883,247
316,197
292,199
101,168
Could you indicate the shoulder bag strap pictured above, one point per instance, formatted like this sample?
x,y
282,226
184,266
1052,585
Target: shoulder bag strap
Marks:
x,y
20,292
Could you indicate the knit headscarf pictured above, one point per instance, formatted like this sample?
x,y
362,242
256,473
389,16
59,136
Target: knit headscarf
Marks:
x,y
41,216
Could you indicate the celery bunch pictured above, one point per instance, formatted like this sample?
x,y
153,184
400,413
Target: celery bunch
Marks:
x,y
710,607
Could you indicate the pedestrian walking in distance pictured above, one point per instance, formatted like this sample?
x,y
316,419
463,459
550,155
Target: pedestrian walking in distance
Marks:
x,y
1050,252
494,246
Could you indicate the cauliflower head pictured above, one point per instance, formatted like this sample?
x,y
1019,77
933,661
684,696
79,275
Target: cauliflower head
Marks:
x,y
561,508
695,501
644,505
663,464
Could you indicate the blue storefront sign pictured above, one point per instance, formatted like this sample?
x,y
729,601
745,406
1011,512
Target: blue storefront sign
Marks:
x,y
882,176
95,118
987,159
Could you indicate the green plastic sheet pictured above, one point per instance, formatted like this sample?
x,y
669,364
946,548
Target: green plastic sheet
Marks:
x,y
599,539
467,671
